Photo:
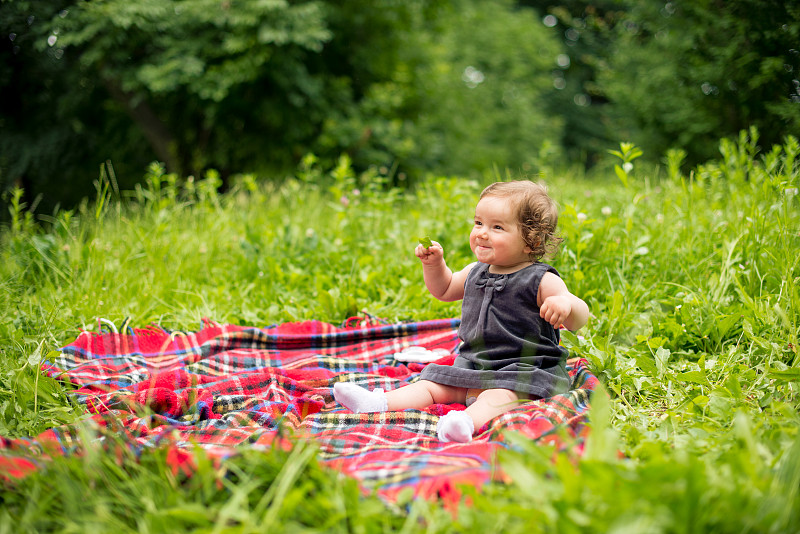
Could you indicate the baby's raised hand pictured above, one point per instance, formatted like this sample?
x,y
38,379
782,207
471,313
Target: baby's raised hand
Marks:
x,y
556,309
430,255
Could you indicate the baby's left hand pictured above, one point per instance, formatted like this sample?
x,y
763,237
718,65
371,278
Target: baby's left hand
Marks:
x,y
556,309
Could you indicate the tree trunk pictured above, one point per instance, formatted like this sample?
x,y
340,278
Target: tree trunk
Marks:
x,y
153,128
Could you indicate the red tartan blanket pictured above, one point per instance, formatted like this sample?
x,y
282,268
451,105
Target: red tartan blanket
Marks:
x,y
225,387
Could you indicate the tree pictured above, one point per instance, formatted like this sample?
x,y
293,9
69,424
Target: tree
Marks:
x,y
453,86
684,74
469,89
583,29
182,70
697,71
193,83
55,127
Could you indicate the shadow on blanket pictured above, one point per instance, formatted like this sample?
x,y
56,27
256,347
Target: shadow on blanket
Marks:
x,y
228,386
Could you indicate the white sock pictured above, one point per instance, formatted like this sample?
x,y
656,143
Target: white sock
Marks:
x,y
359,400
455,426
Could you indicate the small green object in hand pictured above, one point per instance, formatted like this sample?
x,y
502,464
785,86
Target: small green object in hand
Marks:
x,y
425,242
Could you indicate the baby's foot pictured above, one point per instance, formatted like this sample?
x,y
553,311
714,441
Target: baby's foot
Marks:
x,y
359,400
455,426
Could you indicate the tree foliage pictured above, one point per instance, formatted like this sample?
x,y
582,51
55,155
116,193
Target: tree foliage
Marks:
x,y
455,87
683,74
468,89
56,125
253,86
200,78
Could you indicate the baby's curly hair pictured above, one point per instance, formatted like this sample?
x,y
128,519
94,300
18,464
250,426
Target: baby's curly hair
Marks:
x,y
536,212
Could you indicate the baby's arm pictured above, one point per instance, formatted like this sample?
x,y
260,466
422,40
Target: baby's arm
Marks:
x,y
443,283
558,306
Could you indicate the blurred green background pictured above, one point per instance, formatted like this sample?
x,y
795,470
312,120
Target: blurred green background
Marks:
x,y
409,87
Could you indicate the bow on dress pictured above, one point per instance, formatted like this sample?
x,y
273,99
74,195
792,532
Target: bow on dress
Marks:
x,y
497,283
492,285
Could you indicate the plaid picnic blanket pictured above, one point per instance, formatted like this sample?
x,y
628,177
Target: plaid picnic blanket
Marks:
x,y
224,387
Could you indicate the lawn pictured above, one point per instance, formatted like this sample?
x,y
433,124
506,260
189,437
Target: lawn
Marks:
x,y
691,275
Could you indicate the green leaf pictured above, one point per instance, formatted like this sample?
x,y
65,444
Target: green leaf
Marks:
x,y
36,357
662,357
425,242
621,174
788,375
646,364
616,305
52,355
733,385
603,440
695,377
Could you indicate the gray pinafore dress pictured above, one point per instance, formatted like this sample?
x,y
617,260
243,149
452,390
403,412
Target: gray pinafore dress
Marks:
x,y
504,342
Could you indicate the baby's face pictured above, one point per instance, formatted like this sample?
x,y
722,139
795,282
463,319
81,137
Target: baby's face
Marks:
x,y
496,238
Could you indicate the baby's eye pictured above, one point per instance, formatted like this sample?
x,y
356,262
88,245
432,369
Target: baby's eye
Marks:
x,y
478,223
498,227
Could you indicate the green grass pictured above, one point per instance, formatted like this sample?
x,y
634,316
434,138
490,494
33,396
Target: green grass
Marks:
x,y
692,279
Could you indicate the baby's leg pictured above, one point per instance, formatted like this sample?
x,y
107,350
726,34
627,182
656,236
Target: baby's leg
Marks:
x,y
490,404
459,426
422,394
418,395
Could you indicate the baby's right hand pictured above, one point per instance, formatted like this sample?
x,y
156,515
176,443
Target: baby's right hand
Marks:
x,y
431,255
